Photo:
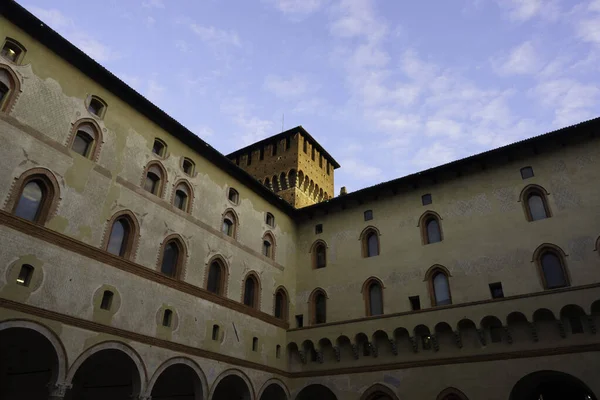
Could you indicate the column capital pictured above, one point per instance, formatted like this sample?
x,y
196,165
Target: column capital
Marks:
x,y
59,390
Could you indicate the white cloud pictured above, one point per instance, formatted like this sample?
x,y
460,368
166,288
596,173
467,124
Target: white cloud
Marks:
x,y
358,169
80,38
588,29
522,59
154,91
153,4
297,6
444,127
522,10
253,128
182,46
150,21
572,101
215,37
433,155
287,88
312,105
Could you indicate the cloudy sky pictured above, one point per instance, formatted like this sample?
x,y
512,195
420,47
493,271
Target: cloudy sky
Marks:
x,y
388,87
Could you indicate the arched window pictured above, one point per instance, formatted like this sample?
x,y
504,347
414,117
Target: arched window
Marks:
x,y
119,237
318,303
551,265
96,106
373,294
535,203
188,166
319,252
172,257
217,278
370,242
283,181
35,196
9,87
13,51
86,139
439,286
229,226
431,229
159,148
251,291
281,304
270,219
233,196
154,179
182,198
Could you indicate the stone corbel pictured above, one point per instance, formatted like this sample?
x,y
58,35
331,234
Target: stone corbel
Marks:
x,y
434,342
481,334
59,390
413,342
355,351
302,356
509,337
592,324
336,352
373,349
561,329
319,356
458,339
534,332
394,347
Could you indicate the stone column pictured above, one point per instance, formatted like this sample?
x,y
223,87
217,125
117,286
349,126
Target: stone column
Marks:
x,y
59,390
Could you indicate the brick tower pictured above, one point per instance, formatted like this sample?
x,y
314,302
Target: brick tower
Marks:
x,y
292,164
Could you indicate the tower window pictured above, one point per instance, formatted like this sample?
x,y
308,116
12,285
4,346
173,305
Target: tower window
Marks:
x,y
305,146
496,290
107,298
426,199
526,172
320,161
261,154
274,148
249,159
25,274
288,143
313,154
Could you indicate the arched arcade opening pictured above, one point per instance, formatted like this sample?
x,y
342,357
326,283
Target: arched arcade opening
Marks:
x,y
551,385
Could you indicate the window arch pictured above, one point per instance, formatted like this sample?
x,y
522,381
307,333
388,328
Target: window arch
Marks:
x,y
188,166
35,195
550,260
96,106
318,306
122,234
86,138
233,196
10,87
251,291
217,276
535,203
372,291
159,147
438,281
13,50
370,241
431,227
319,254
451,394
155,177
268,245
183,196
171,259
230,223
281,304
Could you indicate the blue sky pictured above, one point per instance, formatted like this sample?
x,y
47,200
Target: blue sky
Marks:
x,y
388,87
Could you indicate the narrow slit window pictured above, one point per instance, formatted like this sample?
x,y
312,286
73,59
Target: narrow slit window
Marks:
x,y
278,351
254,344
249,159
215,332
288,143
299,321
25,274
274,149
415,303
305,146
107,298
261,154
167,318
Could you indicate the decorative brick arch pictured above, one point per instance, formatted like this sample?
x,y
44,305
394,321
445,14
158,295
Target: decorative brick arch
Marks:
x,y
183,254
377,390
257,290
59,349
97,134
364,236
451,394
132,245
540,191
51,195
312,304
430,274
219,259
231,215
191,197
112,345
15,89
422,224
313,252
175,361
234,372
286,298
365,292
163,179
269,236
556,250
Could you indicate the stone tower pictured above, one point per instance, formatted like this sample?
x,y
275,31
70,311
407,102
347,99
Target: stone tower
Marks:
x,y
292,164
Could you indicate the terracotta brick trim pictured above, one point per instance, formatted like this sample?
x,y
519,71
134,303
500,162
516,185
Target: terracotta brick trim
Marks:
x,y
15,89
133,235
98,140
86,250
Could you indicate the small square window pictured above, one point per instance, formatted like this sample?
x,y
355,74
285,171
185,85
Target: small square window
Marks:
x,y
188,166
299,321
318,228
107,298
270,220
526,172
426,199
11,51
24,278
496,290
255,344
415,303
159,147
233,196
96,106
368,215
215,332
